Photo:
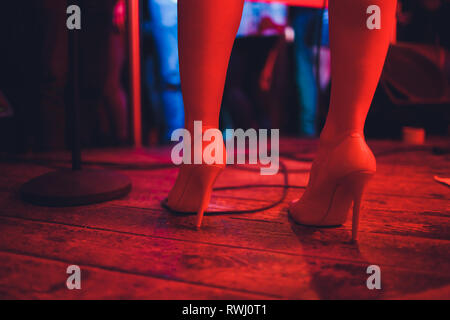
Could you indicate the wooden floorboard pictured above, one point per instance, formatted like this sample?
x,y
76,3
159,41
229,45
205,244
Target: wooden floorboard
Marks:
x,y
30,277
260,235
132,248
249,271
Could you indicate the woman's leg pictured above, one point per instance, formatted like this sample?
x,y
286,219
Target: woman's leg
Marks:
x,y
357,59
207,30
344,163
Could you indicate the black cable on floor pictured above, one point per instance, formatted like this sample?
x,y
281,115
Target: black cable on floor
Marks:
x,y
286,186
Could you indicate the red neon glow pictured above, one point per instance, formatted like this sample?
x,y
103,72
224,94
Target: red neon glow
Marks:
x,y
135,61
119,14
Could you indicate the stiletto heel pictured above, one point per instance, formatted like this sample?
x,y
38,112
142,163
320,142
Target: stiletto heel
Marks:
x,y
206,190
193,187
194,195
355,219
338,179
356,184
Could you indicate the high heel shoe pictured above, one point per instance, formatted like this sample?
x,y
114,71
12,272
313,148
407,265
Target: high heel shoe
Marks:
x,y
338,178
193,187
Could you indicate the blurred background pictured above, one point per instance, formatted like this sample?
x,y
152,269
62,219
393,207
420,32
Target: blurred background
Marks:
x,y
278,77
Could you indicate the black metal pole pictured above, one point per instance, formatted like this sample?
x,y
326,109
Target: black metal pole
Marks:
x,y
75,187
74,100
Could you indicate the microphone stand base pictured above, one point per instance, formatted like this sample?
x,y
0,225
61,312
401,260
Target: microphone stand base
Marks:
x,y
67,188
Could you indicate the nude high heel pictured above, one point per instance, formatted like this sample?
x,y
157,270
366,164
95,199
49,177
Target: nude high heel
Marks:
x,y
355,185
192,191
193,188
337,182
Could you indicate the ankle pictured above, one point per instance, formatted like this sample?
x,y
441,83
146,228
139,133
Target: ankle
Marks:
x,y
197,124
333,136
205,144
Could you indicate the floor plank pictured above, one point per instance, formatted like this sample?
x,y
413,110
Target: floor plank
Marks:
x,y
142,251
28,277
284,237
249,271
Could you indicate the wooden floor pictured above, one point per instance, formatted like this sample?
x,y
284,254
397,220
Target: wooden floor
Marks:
x,y
132,248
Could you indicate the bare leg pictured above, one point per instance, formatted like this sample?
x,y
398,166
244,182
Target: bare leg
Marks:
x,y
357,59
207,30
344,163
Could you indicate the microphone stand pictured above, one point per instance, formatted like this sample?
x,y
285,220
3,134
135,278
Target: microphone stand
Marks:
x,y
75,186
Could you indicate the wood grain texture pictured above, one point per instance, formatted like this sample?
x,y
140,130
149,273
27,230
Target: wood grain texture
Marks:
x,y
132,248
28,277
